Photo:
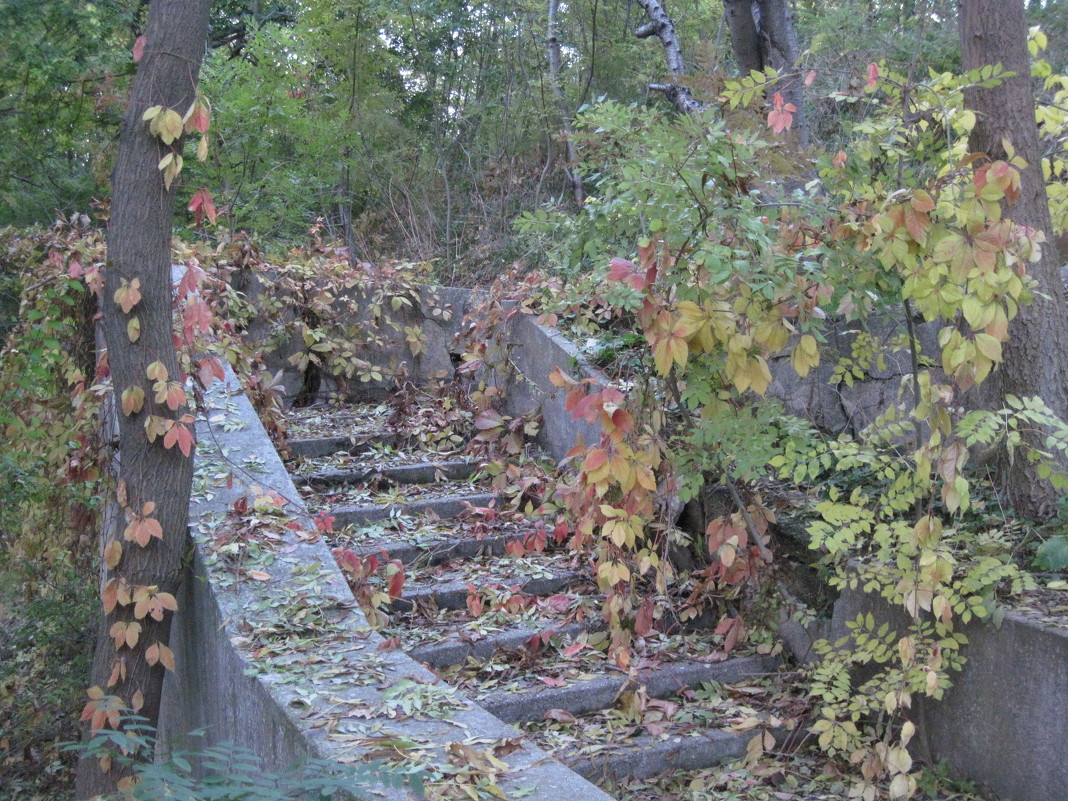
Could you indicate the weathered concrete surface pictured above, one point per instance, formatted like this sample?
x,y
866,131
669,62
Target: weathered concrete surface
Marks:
x,y
421,473
581,697
383,325
442,507
646,756
1004,722
327,446
535,351
844,407
287,666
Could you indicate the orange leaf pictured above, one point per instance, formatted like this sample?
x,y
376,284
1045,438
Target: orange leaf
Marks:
x,y
112,556
110,596
166,657
179,434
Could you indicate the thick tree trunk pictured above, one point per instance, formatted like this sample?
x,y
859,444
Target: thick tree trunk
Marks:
x,y
139,248
745,38
553,46
1036,361
763,35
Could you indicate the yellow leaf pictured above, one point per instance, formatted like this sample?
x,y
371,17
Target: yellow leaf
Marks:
x,y
133,399
133,329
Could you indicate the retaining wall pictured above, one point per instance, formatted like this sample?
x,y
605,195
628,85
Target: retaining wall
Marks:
x,y
1004,722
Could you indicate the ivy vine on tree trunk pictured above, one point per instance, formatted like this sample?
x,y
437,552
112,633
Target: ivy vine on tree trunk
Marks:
x,y
144,545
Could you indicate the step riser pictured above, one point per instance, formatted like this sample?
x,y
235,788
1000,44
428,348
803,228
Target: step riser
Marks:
x,y
590,696
316,448
443,655
646,757
453,595
415,556
444,508
422,473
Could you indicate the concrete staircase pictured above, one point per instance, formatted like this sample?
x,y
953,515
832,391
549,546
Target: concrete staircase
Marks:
x,y
517,629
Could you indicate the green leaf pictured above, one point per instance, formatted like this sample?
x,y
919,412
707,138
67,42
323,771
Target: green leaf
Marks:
x,y
1053,553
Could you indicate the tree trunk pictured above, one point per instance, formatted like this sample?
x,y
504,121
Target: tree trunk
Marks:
x,y
553,45
139,248
745,38
763,35
662,26
1036,362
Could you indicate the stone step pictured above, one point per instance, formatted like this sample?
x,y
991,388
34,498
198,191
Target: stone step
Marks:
x,y
316,447
638,735
645,757
428,472
457,648
664,680
443,508
453,594
425,556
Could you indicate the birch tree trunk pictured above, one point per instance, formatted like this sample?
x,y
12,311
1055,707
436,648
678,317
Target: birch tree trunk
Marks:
x,y
553,45
662,26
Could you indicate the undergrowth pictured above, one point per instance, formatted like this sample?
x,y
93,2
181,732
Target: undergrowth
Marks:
x,y
45,656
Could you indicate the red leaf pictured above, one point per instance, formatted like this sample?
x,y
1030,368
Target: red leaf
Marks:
x,y
620,269
181,435
781,116
396,582
139,48
202,204
574,648
643,622
191,279
209,369
873,75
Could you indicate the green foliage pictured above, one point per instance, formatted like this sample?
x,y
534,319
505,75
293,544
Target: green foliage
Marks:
x,y
60,84
1053,553
46,613
47,403
228,772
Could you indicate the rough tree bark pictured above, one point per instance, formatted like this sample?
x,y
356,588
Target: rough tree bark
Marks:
x,y
139,237
553,46
763,35
1036,359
